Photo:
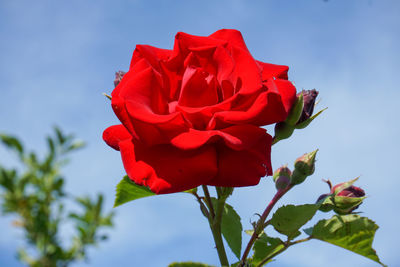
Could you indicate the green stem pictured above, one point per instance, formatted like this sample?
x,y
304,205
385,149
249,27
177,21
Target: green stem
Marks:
x,y
214,220
208,201
261,222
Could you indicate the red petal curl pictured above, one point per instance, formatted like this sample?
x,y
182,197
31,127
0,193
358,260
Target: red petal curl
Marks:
x,y
270,106
237,137
142,108
166,169
115,134
272,70
234,37
244,167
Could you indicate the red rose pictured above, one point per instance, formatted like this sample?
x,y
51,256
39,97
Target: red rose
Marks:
x,y
191,116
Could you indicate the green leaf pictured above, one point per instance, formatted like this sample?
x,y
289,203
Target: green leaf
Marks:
x,y
231,228
60,136
127,191
352,232
12,142
189,264
288,219
265,246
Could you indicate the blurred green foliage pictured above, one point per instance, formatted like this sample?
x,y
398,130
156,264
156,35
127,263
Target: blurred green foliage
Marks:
x,y
35,193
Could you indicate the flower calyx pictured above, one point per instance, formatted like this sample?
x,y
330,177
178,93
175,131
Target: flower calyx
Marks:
x,y
343,198
282,177
300,116
304,166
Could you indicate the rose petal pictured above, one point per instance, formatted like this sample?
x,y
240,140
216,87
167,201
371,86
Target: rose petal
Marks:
x,y
151,54
269,107
234,37
184,43
246,71
166,169
238,137
272,70
285,89
196,90
115,134
143,88
200,117
142,108
244,167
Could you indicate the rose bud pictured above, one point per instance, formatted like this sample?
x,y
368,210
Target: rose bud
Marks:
x,y
300,116
284,129
118,77
303,166
296,110
343,198
282,177
309,97
347,199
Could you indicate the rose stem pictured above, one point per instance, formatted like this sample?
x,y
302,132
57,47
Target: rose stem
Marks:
x,y
260,224
208,201
286,246
214,220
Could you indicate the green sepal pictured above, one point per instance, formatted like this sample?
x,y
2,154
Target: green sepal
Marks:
x,y
305,123
344,205
127,191
288,219
283,131
304,166
344,186
296,111
351,232
297,177
231,227
326,204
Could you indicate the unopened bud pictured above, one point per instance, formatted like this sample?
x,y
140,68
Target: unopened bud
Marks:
x,y
118,77
343,198
304,166
282,177
348,199
282,182
282,171
309,97
351,191
296,110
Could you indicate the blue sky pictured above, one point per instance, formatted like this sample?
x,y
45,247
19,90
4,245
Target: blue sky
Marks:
x,y
57,57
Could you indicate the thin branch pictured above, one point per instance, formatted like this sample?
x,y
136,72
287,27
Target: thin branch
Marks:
x,y
208,200
214,220
261,222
